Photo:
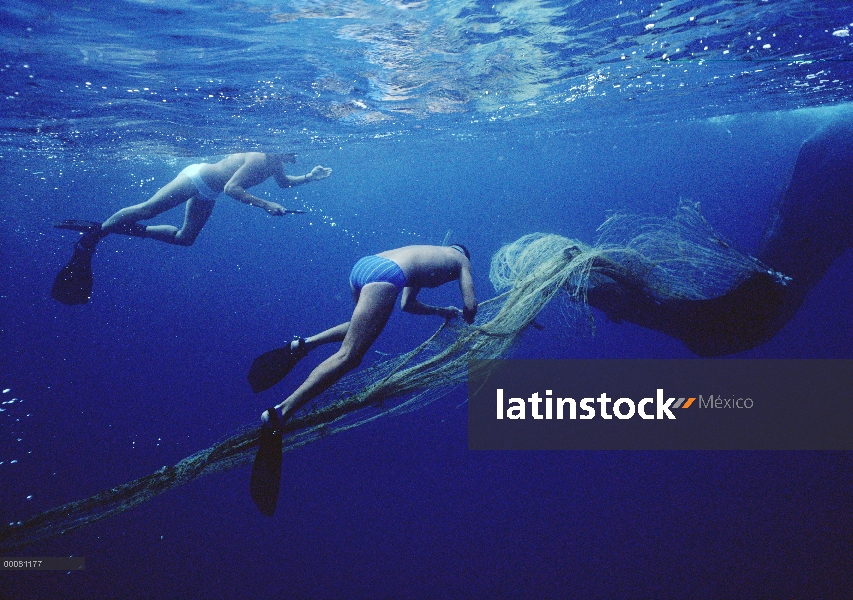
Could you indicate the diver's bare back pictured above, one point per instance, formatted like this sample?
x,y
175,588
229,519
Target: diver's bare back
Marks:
x,y
425,266
218,174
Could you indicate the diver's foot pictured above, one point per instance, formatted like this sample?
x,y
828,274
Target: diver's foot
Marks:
x,y
271,418
298,349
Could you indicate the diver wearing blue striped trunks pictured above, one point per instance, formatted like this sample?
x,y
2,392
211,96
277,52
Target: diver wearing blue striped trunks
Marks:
x,y
373,269
409,269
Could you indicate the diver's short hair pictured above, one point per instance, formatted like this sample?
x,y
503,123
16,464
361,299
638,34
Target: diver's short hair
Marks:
x,y
462,249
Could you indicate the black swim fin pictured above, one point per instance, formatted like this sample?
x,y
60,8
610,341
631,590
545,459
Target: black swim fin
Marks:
x,y
132,229
265,483
73,284
79,225
271,367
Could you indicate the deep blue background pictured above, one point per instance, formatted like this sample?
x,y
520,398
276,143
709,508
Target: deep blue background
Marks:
x,y
153,369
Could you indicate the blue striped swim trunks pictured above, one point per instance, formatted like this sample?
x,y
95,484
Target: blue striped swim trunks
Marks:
x,y
372,269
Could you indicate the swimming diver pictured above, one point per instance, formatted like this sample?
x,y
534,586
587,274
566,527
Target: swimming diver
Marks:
x,y
376,281
198,185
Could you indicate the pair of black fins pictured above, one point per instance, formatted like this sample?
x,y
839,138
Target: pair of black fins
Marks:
x,y
73,284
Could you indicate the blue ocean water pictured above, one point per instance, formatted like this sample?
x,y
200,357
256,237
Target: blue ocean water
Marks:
x,y
490,120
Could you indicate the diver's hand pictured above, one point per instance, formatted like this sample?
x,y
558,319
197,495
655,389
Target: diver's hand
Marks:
x,y
278,210
274,209
318,172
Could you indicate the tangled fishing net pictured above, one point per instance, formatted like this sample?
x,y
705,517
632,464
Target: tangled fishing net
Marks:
x,y
666,258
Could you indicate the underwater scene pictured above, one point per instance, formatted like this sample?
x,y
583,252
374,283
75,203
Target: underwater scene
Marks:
x,y
189,184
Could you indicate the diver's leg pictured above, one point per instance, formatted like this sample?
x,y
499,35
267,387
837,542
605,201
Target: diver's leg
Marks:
x,y
374,307
335,334
176,192
330,336
197,213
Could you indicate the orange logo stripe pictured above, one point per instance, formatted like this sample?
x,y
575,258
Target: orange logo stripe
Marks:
x,y
688,403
